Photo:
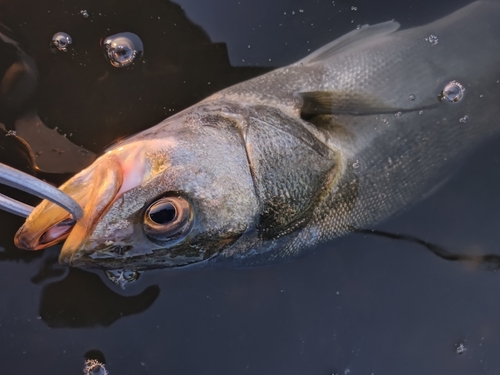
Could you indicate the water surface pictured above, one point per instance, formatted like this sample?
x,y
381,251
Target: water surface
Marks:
x,y
362,304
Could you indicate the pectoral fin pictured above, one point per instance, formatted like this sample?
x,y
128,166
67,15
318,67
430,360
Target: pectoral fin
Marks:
x,y
339,103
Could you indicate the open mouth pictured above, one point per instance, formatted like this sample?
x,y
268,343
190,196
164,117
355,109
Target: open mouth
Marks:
x,y
95,188
56,233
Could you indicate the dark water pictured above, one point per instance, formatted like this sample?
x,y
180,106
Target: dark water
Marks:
x,y
363,304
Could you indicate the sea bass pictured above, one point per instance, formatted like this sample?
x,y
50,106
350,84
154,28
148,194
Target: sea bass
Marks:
x,y
353,133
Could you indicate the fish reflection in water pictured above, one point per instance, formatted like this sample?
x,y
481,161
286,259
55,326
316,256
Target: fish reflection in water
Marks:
x,y
95,305
265,169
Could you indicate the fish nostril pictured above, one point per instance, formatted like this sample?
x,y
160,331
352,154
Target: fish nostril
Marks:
x,y
120,250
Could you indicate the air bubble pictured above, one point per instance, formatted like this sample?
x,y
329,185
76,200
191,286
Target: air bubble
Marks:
x,y
453,92
356,164
94,367
464,119
84,13
432,39
122,277
123,49
411,97
60,42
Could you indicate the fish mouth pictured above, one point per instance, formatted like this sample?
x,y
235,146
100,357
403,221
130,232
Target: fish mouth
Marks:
x,y
95,189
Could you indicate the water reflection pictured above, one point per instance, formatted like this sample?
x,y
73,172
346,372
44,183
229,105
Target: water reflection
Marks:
x,y
94,103
73,298
79,299
10,255
488,262
363,304
54,153
82,300
16,152
18,77
41,148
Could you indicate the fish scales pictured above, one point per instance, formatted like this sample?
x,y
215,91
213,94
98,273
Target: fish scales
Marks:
x,y
401,158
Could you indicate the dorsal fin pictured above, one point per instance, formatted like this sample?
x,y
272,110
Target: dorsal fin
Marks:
x,y
364,34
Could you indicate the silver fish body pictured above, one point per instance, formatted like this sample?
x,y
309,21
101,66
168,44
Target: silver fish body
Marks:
x,y
350,135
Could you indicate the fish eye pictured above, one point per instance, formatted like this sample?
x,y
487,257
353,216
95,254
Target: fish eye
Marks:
x,y
167,217
162,213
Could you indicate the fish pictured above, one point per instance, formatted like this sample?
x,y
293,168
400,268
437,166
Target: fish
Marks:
x,y
354,133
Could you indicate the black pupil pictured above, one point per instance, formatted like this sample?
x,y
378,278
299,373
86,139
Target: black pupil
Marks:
x,y
163,213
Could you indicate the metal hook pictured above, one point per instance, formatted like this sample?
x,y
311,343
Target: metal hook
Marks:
x,y
23,181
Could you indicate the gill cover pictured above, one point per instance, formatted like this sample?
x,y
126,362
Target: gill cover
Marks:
x,y
291,168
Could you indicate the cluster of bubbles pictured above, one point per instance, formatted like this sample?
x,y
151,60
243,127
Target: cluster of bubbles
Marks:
x,y
432,39
460,348
121,49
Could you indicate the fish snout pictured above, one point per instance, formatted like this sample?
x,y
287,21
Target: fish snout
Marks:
x,y
94,189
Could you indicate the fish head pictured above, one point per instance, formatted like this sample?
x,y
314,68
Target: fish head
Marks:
x,y
176,194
